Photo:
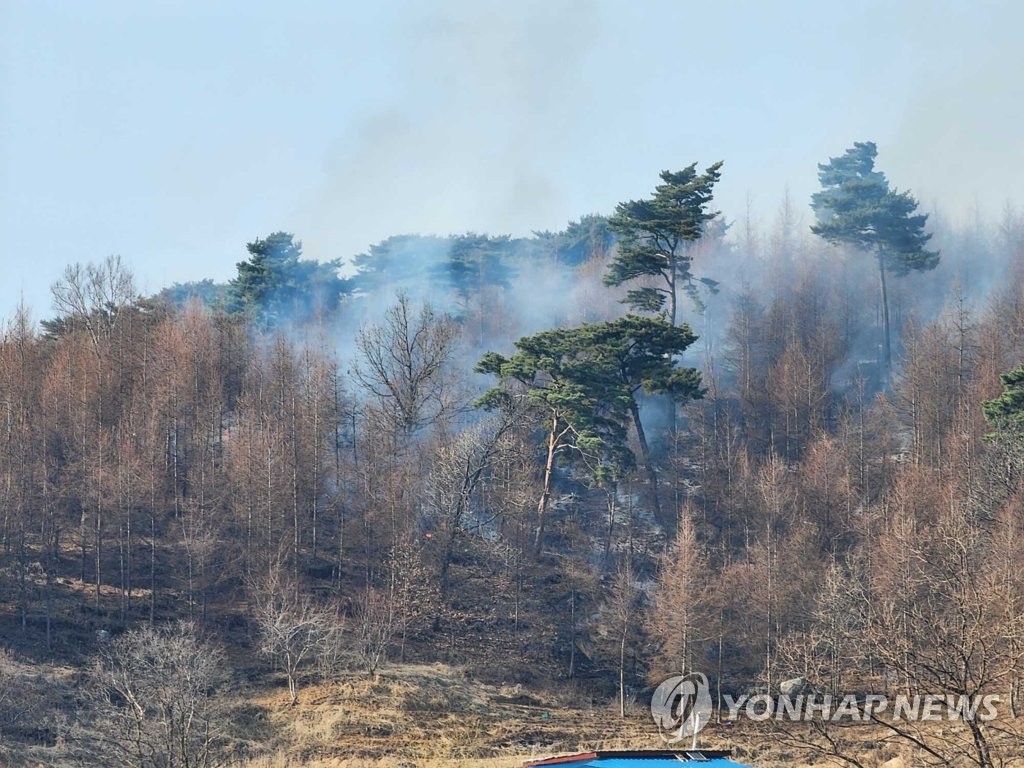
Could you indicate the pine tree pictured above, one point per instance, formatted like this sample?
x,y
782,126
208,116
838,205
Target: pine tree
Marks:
x,y
276,284
580,398
642,351
856,207
585,380
1007,410
656,235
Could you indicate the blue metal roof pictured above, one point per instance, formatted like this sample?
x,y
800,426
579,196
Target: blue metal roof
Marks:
x,y
655,762
642,759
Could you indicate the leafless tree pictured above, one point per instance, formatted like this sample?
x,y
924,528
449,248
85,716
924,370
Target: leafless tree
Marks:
x,y
94,296
293,630
403,598
959,634
404,364
377,620
619,622
459,465
157,703
940,614
16,708
775,497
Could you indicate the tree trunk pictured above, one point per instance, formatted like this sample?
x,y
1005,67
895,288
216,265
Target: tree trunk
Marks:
x,y
622,674
572,633
446,561
293,434
542,505
673,302
645,452
718,671
672,299
152,567
886,334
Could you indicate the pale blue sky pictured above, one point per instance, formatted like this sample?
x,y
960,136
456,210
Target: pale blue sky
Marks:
x,y
173,132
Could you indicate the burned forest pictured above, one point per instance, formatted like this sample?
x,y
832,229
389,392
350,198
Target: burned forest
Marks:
x,y
556,468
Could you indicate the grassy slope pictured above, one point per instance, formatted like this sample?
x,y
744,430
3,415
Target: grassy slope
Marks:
x,y
434,716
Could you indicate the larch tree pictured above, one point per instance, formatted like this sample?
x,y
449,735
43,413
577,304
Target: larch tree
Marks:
x,y
618,622
941,618
681,603
856,207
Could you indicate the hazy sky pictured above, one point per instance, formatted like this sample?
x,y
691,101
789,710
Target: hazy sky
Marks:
x,y
172,133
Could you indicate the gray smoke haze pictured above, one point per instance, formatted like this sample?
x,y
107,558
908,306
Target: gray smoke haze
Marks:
x,y
493,100
487,94
174,133
957,136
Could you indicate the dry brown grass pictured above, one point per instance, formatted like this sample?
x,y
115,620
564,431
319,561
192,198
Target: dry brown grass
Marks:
x,y
433,716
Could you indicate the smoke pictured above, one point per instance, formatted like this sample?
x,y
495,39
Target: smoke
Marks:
x,y
957,139
517,287
478,152
807,290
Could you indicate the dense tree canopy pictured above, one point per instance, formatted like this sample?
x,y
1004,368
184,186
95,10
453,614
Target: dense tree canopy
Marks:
x,y
581,400
581,239
857,207
585,381
574,383
476,262
1007,410
206,291
398,262
275,284
162,460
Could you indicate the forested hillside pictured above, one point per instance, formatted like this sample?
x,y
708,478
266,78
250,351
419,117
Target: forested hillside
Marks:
x,y
656,442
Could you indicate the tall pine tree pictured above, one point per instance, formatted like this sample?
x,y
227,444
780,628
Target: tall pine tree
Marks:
x,y
656,235
856,207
